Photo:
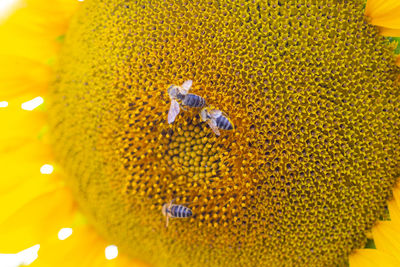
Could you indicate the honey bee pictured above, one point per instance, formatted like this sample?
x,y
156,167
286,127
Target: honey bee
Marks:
x,y
180,93
175,211
216,119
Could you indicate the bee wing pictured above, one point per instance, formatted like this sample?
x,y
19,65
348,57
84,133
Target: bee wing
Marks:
x,y
213,126
173,111
186,85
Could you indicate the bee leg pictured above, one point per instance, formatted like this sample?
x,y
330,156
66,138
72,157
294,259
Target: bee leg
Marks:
x,y
168,211
214,127
184,108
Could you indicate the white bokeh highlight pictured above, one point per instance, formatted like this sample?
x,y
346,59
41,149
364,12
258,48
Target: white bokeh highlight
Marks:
x,y
29,255
32,104
6,8
111,252
3,104
64,233
24,257
6,4
46,169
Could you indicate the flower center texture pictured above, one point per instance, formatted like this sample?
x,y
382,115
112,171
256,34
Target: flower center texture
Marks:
x,y
310,87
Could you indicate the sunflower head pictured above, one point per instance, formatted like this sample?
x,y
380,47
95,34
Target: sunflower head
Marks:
x,y
310,88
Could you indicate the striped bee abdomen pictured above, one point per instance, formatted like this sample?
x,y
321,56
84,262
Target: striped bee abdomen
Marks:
x,y
224,123
193,100
179,211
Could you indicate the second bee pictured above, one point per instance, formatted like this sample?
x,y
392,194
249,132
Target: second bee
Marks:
x,y
216,119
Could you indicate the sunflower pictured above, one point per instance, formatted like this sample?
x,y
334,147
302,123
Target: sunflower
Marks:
x,y
306,177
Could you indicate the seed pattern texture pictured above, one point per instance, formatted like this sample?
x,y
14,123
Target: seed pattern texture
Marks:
x,y
305,174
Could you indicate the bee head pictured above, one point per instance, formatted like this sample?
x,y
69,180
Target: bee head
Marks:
x,y
172,91
203,114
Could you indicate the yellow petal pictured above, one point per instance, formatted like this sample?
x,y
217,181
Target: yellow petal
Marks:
x,y
20,124
84,248
37,23
394,211
37,220
31,186
384,13
390,32
398,60
21,156
30,82
21,161
30,152
24,44
372,258
396,195
387,238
